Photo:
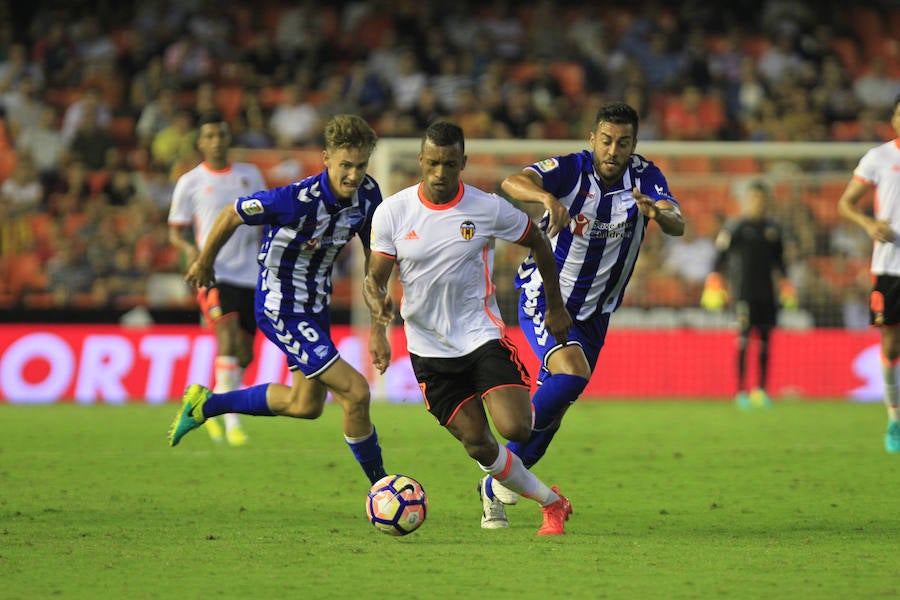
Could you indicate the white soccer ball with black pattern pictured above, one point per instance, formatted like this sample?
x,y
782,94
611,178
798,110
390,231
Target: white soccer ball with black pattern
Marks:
x,y
397,505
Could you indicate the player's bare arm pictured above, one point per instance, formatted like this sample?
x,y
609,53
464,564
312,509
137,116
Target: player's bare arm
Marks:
x,y
526,186
558,320
381,309
848,207
201,272
180,237
663,212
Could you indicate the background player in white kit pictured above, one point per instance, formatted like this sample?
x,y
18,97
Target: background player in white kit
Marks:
x,y
441,233
227,305
879,170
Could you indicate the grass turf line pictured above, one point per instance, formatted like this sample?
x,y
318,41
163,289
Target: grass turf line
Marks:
x,y
671,499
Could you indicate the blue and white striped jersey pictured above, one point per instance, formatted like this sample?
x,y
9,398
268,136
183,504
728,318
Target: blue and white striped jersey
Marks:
x,y
596,254
306,228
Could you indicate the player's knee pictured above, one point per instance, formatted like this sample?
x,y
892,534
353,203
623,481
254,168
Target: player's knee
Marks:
x,y
515,431
299,406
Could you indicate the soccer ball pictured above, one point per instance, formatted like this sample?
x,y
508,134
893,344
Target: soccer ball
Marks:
x,y
397,505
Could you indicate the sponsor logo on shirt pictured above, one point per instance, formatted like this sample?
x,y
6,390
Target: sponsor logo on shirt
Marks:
x,y
467,229
547,165
252,207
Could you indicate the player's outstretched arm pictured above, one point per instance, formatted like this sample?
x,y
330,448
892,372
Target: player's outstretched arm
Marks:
x,y
201,272
663,212
526,186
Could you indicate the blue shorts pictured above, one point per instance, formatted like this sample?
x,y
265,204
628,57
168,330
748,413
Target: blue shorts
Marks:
x,y
590,334
305,339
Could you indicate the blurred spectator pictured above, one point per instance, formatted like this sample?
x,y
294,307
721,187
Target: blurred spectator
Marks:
x,y
547,32
18,67
156,115
92,143
294,120
543,86
876,88
504,30
516,118
692,258
23,106
474,120
251,127
427,109
22,192
780,61
693,116
90,103
408,82
297,33
187,61
57,56
45,144
69,272
589,40
449,81
120,189
332,100
147,84
834,97
365,90
175,141
263,64
155,185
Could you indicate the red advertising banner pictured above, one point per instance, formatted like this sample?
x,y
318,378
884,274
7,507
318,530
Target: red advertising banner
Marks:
x,y
112,364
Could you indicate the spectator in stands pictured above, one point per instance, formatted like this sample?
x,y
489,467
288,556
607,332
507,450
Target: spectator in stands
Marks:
x,y
92,143
45,145
176,141
57,55
876,88
69,272
263,64
156,115
18,67
693,116
23,106
408,82
449,80
517,117
692,258
780,61
833,96
187,61
22,192
91,102
295,121
251,127
427,110
365,90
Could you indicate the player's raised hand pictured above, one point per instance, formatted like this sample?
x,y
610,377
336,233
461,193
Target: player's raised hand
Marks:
x,y
646,205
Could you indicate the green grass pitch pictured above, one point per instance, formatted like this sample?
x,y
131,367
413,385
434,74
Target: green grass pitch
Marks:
x,y
672,499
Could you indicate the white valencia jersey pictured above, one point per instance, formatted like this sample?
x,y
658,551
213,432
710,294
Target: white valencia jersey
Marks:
x,y
445,256
199,197
880,168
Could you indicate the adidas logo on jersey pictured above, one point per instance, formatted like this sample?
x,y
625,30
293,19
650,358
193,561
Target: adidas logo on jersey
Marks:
x,y
411,235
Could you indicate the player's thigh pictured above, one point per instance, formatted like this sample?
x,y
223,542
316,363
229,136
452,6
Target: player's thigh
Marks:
x,y
470,426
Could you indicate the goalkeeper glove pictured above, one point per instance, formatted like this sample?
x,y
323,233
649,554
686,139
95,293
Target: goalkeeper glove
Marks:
x,y
714,296
787,295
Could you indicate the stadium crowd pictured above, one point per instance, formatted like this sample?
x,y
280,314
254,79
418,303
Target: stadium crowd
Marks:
x,y
99,102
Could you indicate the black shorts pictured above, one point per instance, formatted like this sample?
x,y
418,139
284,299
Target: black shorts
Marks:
x,y
756,314
884,303
223,300
448,383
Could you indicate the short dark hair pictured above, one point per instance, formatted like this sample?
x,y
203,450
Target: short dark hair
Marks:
x,y
210,117
445,133
619,113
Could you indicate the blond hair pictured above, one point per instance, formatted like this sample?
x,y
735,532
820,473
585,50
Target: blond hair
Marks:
x,y
349,131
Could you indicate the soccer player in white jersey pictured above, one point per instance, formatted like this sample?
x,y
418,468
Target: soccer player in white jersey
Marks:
x,y
598,203
227,305
441,235
879,171
307,223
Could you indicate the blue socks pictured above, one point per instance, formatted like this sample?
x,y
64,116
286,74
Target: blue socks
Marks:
x,y
249,401
550,401
368,454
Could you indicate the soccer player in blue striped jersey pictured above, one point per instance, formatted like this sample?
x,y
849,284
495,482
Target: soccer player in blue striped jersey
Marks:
x,y
598,203
306,224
